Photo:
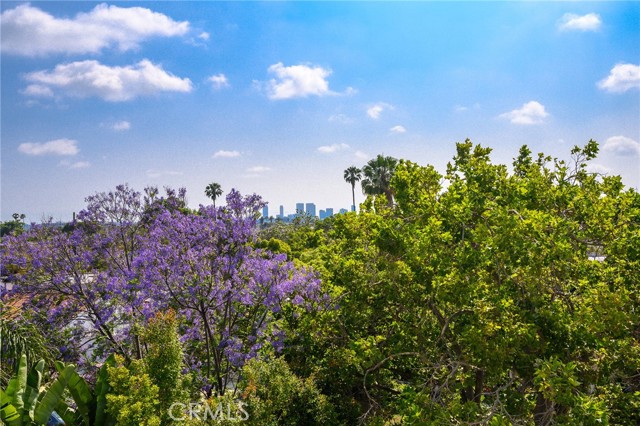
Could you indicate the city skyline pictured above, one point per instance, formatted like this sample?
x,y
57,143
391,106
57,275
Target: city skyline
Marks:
x,y
322,213
279,98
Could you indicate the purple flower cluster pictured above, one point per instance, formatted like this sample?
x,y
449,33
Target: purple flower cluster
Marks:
x,y
130,255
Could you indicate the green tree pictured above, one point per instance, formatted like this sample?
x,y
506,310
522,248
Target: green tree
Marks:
x,y
480,301
274,396
352,175
133,399
213,191
378,173
20,337
163,360
13,226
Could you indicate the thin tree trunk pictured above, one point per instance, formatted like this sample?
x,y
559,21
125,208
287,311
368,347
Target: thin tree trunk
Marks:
x,y
479,385
389,195
353,194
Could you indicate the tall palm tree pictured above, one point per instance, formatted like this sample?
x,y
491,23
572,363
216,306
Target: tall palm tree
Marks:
x,y
213,191
377,177
353,175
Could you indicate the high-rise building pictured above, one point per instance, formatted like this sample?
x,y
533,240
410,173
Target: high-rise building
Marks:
x,y
311,209
322,214
281,215
299,208
343,211
328,212
265,212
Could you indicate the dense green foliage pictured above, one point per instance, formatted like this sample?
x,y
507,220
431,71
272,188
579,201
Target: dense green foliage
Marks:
x,y
275,396
20,337
12,226
133,399
482,300
163,360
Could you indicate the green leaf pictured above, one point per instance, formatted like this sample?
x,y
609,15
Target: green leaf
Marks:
x,y
102,388
32,391
67,413
8,412
82,395
52,397
17,385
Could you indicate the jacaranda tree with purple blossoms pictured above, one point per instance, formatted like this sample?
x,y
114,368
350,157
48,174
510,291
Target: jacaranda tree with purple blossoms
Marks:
x,y
205,266
81,280
130,255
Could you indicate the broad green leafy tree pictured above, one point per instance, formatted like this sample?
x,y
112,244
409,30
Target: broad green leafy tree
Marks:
x,y
500,298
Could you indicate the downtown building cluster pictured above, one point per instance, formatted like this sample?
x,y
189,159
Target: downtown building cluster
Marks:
x,y
308,209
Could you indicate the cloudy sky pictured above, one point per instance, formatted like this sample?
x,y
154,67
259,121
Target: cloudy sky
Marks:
x,y
279,98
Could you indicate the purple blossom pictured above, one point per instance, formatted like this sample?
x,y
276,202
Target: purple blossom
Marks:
x,y
132,254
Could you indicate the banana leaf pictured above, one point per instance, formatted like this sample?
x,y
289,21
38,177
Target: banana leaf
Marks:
x,y
32,391
67,414
8,413
102,418
17,385
53,396
80,392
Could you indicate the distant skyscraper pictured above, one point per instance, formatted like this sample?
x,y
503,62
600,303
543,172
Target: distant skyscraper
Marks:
x,y
343,211
311,209
265,212
299,208
328,212
322,214
281,211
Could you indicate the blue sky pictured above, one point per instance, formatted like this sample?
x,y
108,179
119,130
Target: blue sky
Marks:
x,y
278,98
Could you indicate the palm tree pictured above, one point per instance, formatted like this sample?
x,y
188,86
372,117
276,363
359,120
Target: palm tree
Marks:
x,y
377,177
353,175
213,191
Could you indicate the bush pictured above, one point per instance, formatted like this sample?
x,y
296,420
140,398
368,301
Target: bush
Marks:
x,y
273,395
133,399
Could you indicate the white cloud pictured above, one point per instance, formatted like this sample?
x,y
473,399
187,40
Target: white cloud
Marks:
x,y
374,111
464,108
218,81
204,36
598,168
588,22
154,174
226,154
330,149
621,78
350,91
38,91
530,113
115,84
121,125
54,147
460,108
340,118
362,155
398,129
298,81
258,169
622,146
29,31
80,165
